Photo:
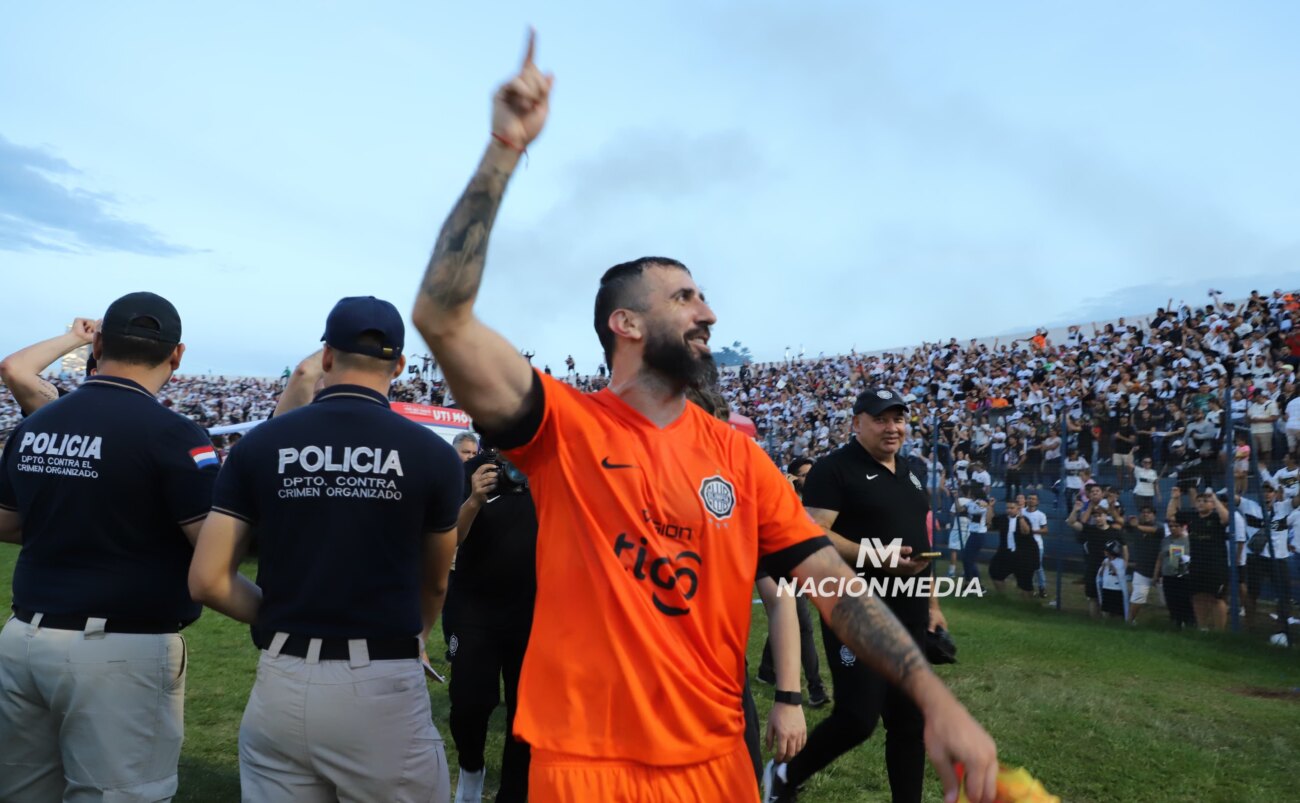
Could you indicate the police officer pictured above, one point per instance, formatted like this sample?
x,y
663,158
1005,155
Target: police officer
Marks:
x,y
105,489
865,490
495,585
356,509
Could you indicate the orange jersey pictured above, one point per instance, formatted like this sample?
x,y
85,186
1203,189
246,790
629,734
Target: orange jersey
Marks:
x,y
557,778
648,540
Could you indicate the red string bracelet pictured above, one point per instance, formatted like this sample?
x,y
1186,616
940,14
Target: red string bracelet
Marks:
x,y
512,146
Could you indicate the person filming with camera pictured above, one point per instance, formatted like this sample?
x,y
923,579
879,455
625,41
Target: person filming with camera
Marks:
x,y
493,597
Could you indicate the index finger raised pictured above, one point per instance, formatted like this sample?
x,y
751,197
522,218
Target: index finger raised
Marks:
x,y
532,46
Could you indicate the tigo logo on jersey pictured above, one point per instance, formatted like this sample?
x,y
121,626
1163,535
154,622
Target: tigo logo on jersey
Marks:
x,y
674,577
719,496
204,456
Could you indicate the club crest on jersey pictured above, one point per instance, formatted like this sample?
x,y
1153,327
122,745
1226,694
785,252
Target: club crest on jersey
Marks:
x,y
915,481
719,496
846,656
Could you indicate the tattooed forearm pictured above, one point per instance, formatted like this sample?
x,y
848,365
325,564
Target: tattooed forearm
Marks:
x,y
875,635
456,267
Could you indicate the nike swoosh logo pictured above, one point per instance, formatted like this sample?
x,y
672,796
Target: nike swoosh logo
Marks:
x,y
493,499
872,476
606,464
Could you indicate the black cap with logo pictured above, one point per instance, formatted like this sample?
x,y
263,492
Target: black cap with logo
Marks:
x,y
365,325
145,315
877,400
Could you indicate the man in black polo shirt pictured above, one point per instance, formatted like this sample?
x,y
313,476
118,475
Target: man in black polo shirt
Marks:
x,y
356,512
863,490
105,489
496,582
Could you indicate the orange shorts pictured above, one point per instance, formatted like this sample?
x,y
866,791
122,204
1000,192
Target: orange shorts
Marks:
x,y
563,778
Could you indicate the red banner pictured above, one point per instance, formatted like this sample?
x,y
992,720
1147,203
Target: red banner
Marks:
x,y
427,414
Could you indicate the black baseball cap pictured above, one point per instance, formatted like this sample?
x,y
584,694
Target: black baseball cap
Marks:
x,y
877,400
356,316
144,315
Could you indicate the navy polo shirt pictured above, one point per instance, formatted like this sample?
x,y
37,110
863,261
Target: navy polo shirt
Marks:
x,y
342,492
874,502
103,479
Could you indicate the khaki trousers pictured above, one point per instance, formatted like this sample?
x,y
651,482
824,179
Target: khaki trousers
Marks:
x,y
88,715
340,730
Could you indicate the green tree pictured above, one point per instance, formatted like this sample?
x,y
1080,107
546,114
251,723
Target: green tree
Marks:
x,y
735,354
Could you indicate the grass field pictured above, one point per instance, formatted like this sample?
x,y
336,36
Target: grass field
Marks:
x,y
1098,711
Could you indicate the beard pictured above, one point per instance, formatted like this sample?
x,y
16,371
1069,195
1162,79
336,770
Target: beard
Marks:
x,y
680,366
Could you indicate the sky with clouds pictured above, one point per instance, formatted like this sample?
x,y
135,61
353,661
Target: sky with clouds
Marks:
x,y
837,174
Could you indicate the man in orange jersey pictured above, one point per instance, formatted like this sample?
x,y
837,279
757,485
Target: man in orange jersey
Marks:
x,y
652,516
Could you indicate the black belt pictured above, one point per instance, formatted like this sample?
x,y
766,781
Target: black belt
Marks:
x,y
65,621
336,649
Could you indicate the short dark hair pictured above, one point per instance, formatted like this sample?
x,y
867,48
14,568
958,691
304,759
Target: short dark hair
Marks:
x,y
364,362
798,463
620,289
136,350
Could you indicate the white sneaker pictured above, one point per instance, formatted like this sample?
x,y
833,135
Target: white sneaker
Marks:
x,y
469,786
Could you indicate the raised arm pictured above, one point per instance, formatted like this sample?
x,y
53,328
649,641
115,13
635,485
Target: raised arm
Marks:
x,y
1073,519
301,387
21,371
482,483
487,375
1175,502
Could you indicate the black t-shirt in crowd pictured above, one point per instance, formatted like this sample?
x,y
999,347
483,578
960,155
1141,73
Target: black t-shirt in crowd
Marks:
x,y
342,493
873,502
1143,550
1206,542
103,479
1145,420
1094,540
496,567
1123,431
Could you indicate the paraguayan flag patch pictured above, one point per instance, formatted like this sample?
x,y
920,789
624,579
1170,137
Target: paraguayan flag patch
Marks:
x,y
204,456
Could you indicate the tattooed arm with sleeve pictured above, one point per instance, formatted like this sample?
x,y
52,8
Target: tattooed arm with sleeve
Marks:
x,y
492,382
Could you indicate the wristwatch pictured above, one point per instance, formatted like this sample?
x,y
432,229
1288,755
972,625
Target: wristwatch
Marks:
x,y
788,697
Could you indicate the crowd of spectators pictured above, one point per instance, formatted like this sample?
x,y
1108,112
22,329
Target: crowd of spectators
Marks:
x,y
1155,389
